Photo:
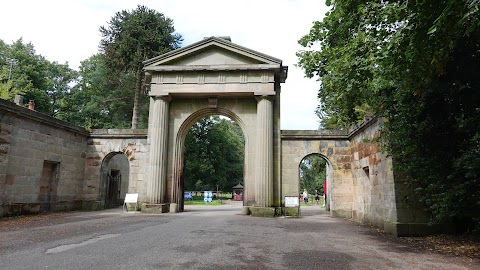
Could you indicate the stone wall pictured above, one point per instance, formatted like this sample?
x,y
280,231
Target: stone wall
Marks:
x,y
360,182
333,146
41,162
374,187
102,146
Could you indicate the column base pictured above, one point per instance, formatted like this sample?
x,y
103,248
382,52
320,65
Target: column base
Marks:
x,y
174,208
155,208
291,211
246,210
263,211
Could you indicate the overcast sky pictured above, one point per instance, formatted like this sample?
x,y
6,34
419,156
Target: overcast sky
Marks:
x,y
67,31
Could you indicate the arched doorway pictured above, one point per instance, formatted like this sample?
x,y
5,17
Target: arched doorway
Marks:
x,y
315,175
221,135
114,180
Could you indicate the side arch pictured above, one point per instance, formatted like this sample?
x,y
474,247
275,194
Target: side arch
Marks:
x,y
294,150
328,176
114,179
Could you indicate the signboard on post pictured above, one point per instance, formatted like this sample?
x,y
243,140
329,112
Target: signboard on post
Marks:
x,y
292,202
130,198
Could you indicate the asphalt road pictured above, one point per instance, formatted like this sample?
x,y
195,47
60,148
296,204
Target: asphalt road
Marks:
x,y
215,237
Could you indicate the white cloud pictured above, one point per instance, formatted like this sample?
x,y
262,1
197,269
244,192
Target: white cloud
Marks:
x,y
67,31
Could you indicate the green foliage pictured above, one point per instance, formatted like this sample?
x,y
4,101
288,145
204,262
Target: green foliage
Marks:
x,y
415,63
133,37
214,155
313,171
34,77
102,98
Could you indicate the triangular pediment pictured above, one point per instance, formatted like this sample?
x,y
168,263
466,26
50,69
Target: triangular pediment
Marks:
x,y
214,55
212,51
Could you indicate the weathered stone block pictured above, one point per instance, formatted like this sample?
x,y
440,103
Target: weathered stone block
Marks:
x,y
263,211
155,208
341,213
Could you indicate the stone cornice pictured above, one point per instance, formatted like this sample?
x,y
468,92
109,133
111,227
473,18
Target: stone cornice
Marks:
x,y
361,127
118,133
168,68
325,134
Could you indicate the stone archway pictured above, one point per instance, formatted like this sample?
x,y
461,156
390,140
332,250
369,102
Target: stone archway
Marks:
x,y
114,179
179,163
335,149
220,77
328,174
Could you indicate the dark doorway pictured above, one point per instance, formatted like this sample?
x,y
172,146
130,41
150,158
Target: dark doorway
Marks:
x,y
114,183
47,195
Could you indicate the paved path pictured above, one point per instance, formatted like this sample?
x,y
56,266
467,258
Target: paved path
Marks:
x,y
215,237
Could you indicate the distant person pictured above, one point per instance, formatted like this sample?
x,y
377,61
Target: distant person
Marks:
x,y
317,197
324,192
305,196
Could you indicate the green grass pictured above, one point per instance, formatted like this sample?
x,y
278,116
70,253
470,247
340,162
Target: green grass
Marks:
x,y
198,200
311,201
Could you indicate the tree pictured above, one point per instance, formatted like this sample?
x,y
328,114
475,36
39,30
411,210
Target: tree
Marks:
x,y
102,98
32,76
132,37
414,63
214,154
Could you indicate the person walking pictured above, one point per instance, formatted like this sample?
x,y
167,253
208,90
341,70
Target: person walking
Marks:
x,y
305,196
317,197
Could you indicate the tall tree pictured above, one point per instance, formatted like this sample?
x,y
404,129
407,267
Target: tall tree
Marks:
x,y
415,63
132,37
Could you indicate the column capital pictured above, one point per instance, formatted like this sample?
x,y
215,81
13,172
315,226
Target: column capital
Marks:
x,y
267,97
166,98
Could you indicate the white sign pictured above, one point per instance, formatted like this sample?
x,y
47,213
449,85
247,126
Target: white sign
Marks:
x,y
131,198
292,202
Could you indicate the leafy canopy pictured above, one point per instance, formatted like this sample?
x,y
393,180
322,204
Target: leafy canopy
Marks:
x,y
416,64
24,72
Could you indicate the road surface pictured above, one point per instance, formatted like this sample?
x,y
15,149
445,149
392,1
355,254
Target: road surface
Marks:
x,y
214,237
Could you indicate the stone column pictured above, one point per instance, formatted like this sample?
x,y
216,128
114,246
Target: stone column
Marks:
x,y
264,152
158,150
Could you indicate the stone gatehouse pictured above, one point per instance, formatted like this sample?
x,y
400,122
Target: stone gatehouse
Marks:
x,y
50,165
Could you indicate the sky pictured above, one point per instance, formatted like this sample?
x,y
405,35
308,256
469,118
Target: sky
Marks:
x,y
67,31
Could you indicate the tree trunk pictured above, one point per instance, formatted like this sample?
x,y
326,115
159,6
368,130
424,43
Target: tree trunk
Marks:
x,y
137,99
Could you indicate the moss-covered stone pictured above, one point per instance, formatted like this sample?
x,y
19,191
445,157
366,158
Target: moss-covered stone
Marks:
x,y
263,211
291,211
341,213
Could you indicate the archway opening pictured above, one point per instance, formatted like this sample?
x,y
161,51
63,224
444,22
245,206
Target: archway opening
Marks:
x,y
114,175
213,164
313,178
